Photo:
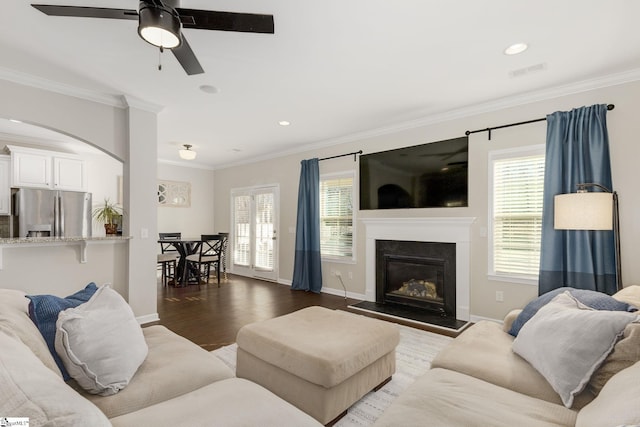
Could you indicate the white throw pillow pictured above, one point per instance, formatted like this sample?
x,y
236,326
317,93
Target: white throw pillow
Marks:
x,y
29,389
567,341
101,343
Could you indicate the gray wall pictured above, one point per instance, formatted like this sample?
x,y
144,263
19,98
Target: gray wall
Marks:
x,y
623,131
128,133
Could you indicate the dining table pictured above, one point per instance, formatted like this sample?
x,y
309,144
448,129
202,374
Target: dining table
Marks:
x,y
185,246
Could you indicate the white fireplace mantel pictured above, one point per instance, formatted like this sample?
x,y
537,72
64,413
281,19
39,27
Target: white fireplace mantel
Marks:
x,y
444,230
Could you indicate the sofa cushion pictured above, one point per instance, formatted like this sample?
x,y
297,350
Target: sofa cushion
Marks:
x,y
593,299
484,351
31,390
100,342
625,353
15,321
446,398
629,294
44,310
617,403
174,366
566,341
232,402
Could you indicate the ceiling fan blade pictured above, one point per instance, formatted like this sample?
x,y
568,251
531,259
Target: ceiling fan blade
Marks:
x,y
226,21
187,58
86,12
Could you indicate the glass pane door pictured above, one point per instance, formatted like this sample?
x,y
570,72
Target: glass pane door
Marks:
x,y
265,231
254,239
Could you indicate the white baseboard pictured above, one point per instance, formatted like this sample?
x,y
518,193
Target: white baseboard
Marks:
x,y
148,318
475,319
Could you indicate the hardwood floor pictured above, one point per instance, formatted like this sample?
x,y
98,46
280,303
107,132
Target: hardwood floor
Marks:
x,y
211,317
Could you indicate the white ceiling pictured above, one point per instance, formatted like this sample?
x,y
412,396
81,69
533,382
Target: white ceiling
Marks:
x,y
333,68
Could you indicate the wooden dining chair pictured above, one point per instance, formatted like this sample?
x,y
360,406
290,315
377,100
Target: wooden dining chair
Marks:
x,y
209,254
168,258
223,253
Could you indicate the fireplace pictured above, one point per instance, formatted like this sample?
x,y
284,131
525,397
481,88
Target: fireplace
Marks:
x,y
421,275
455,230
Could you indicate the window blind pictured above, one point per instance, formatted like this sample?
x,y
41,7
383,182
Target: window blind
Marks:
x,y
336,217
264,230
242,229
517,214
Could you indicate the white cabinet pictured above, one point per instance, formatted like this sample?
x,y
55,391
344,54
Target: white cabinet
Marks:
x,y
30,169
47,169
5,185
69,174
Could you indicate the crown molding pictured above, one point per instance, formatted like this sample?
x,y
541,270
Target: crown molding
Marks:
x,y
61,88
24,139
498,104
118,101
133,102
185,164
469,111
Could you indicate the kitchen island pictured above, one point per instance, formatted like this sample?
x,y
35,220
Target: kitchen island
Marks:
x,y
17,242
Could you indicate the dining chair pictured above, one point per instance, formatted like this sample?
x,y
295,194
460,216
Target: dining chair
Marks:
x,y
223,253
209,254
168,257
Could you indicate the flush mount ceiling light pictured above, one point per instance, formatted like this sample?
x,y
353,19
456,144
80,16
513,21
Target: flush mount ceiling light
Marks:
x,y
187,153
516,48
284,123
159,25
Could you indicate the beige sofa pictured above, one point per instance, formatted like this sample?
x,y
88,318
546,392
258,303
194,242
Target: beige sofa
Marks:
x,y
179,383
477,380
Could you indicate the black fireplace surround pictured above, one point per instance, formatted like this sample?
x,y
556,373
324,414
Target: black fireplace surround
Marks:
x,y
421,275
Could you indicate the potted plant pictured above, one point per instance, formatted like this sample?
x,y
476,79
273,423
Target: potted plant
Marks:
x,y
107,214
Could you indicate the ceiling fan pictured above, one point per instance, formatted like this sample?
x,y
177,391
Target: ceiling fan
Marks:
x,y
160,23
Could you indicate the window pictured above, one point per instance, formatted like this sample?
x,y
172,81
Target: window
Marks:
x,y
336,216
515,205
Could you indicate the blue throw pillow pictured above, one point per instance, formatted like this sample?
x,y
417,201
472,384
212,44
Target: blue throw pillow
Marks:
x,y
594,299
44,310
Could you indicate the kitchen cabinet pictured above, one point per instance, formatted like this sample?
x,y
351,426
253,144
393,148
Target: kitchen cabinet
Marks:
x,y
69,174
47,169
5,185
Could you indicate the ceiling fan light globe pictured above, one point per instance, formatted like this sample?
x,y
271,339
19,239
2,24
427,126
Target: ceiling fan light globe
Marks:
x,y
159,37
159,26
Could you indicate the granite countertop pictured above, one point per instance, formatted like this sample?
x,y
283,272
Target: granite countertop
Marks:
x,y
27,240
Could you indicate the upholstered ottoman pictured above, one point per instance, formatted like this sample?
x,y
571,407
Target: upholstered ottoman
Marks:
x,y
320,360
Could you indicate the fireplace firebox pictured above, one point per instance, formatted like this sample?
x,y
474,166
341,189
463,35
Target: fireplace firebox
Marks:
x,y
420,275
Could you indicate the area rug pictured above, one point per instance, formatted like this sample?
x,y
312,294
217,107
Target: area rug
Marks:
x,y
414,354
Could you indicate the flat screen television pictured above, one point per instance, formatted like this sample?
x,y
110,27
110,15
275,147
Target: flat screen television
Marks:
x,y
433,175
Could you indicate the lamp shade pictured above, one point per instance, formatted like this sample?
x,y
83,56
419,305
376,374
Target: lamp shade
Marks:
x,y
159,26
583,211
187,153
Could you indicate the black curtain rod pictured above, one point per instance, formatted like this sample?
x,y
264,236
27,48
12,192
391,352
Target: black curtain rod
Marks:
x,y
343,155
469,132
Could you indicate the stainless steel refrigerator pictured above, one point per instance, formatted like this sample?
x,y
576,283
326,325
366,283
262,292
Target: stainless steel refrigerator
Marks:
x,y
52,213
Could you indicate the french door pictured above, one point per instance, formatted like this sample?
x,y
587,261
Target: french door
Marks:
x,y
254,219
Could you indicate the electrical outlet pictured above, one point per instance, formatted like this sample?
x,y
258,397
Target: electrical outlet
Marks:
x,y
351,275
339,273
499,296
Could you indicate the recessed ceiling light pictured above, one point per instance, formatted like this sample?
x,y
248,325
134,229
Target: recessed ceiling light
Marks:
x,y
516,48
284,123
209,89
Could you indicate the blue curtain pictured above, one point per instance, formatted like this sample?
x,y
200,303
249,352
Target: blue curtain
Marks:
x,y
307,270
577,151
